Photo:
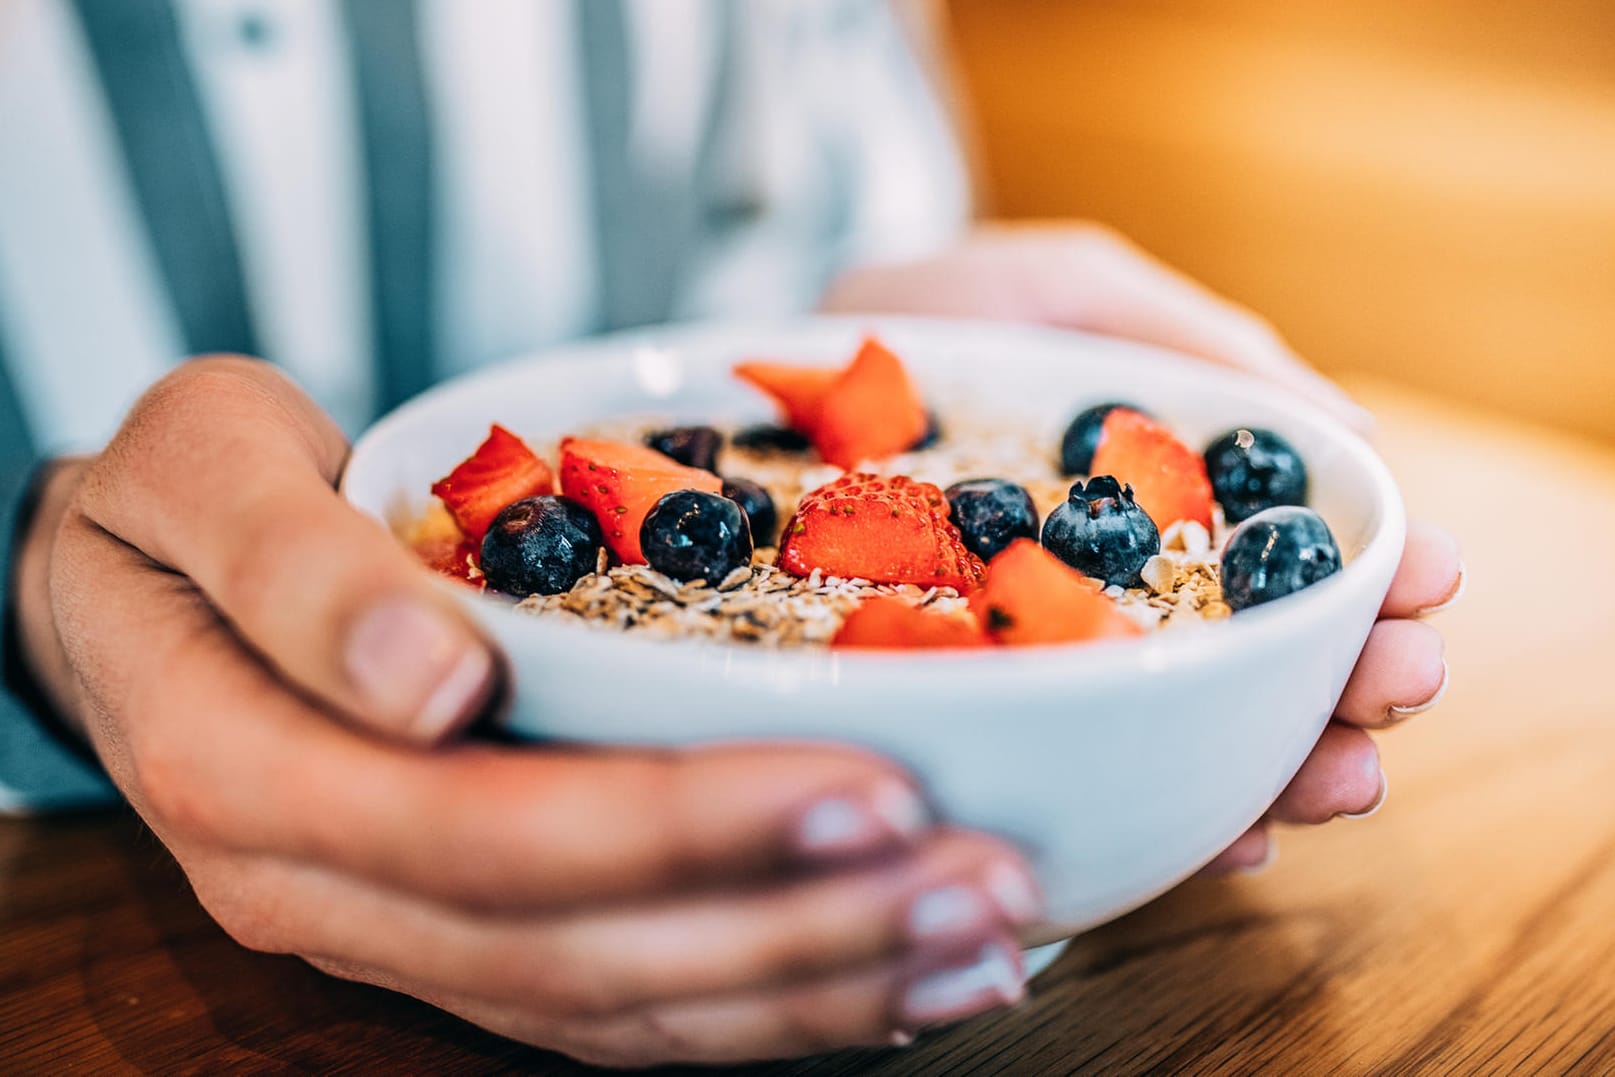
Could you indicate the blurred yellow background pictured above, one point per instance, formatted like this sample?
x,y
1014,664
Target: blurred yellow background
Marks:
x,y
1423,189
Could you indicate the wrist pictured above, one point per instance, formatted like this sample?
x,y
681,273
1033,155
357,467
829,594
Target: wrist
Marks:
x,y
36,666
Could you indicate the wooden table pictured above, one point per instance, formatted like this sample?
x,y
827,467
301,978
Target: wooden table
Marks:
x,y
1467,928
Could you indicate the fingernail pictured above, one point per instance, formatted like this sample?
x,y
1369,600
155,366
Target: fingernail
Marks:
x,y
994,979
947,910
900,808
410,665
457,696
1015,892
1236,858
1399,714
837,826
1452,599
1379,801
900,1038
1270,853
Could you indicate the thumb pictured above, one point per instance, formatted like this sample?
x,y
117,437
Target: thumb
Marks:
x,y
225,473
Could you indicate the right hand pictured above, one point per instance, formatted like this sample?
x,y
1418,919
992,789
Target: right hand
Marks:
x,y
276,685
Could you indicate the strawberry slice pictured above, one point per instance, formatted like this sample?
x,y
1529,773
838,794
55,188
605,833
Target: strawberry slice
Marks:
x,y
442,547
872,411
888,622
799,390
866,411
620,483
882,529
503,470
455,558
1168,478
1031,596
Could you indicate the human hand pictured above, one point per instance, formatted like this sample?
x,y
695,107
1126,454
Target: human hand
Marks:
x,y
275,685
1400,673
1086,277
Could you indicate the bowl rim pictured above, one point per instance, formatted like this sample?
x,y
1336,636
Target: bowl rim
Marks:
x,y
1251,630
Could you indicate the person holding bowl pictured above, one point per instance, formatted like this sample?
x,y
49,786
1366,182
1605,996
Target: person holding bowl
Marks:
x,y
367,196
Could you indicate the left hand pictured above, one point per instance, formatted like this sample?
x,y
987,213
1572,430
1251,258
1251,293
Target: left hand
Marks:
x,y
1085,277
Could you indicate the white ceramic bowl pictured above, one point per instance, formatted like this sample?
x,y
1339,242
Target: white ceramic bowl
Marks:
x,y
1120,768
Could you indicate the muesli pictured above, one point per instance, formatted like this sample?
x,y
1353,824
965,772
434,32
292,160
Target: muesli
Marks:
x,y
867,520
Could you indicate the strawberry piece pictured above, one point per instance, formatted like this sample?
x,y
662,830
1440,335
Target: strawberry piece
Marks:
x,y
503,470
454,557
1031,596
799,390
620,483
442,547
872,411
1168,478
869,410
882,529
888,622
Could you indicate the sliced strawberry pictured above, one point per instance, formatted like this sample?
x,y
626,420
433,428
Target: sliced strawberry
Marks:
x,y
1168,478
620,483
455,558
503,470
1031,596
888,622
799,390
886,530
442,547
868,410
872,411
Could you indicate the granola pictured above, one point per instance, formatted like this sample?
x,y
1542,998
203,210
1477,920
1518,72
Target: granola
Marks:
x,y
614,537
770,607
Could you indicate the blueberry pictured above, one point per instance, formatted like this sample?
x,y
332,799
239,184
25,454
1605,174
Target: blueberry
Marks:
x,y
692,446
1082,437
932,435
1101,532
992,513
693,535
1252,470
1275,553
540,546
758,506
766,437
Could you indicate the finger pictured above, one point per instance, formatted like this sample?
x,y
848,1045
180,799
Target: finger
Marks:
x,y
1110,286
226,473
212,748
1251,851
1342,776
883,1005
1087,277
956,891
523,1023
879,1006
1430,577
1400,673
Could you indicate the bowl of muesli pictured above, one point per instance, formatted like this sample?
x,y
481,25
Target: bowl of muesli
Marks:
x,y
1100,598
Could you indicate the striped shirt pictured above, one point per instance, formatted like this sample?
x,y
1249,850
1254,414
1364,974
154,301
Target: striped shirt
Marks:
x,y
376,194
